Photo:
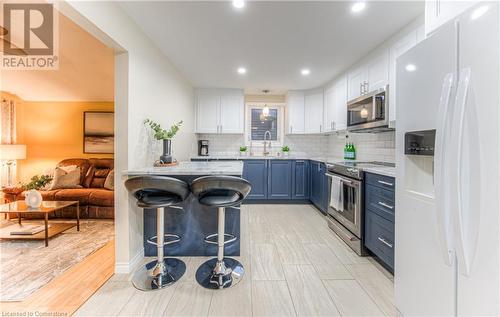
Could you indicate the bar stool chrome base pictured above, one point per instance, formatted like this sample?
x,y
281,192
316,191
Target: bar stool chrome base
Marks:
x,y
214,274
153,276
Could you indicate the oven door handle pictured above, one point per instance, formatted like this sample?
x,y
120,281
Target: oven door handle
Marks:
x,y
344,180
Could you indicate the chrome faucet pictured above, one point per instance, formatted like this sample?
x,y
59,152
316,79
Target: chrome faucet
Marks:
x,y
266,150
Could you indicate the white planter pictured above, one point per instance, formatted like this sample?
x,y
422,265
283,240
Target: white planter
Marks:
x,y
33,198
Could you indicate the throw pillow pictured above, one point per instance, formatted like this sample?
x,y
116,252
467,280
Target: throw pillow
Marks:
x,y
66,177
88,178
109,183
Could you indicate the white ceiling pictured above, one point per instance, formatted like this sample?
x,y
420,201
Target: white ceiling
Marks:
x,y
86,71
208,41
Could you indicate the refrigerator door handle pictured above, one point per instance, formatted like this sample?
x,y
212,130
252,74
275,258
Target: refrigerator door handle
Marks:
x,y
469,180
443,214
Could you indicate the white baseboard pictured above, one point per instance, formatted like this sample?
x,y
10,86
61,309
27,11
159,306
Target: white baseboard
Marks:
x,y
128,267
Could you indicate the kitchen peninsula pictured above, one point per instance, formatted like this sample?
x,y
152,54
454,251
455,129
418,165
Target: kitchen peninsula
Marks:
x,y
193,222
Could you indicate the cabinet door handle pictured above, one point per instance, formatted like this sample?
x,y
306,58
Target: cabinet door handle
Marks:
x,y
385,205
384,241
386,183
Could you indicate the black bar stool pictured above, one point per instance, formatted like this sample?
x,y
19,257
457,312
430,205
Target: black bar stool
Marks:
x,y
158,192
221,192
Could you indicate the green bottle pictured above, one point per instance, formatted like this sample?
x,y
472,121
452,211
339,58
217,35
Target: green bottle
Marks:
x,y
346,151
353,152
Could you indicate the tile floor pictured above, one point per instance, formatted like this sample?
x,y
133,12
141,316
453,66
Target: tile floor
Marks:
x,y
295,266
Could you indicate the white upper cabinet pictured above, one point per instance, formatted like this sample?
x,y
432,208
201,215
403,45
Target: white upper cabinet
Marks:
x,y
295,112
358,80
335,108
220,111
340,122
372,74
378,71
438,12
314,111
396,50
207,112
329,108
232,114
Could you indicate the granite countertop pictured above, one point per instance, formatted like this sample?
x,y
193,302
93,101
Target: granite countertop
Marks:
x,y
381,170
250,157
192,168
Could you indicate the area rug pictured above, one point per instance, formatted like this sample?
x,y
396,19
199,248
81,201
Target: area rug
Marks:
x,y
26,266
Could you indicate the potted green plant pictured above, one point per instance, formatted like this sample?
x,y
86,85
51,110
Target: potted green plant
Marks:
x,y
37,182
243,150
166,136
286,150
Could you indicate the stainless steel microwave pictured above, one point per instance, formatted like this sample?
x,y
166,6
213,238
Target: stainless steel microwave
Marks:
x,y
369,112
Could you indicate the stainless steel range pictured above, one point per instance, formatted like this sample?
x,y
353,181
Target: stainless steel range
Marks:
x,y
346,213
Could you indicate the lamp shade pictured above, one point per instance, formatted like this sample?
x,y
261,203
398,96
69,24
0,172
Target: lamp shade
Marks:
x,y
12,151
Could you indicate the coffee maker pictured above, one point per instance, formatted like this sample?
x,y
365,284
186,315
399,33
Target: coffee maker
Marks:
x,y
203,147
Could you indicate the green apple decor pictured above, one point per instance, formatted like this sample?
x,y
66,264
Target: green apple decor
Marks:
x,y
165,136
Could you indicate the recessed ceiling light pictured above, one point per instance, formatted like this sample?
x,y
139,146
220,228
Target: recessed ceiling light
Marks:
x,y
239,4
479,12
242,70
410,68
305,71
358,7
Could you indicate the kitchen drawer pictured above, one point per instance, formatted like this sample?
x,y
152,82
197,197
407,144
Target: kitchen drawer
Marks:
x,y
382,181
380,201
379,237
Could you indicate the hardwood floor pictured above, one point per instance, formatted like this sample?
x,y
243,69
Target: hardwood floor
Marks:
x,y
63,295
294,266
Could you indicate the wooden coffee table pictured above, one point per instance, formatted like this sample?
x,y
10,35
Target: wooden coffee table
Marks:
x,y
20,208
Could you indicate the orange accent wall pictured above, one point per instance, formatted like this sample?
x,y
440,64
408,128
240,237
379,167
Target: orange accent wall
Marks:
x,y
52,131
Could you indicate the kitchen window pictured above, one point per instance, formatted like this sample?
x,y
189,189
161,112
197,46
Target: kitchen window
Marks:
x,y
259,121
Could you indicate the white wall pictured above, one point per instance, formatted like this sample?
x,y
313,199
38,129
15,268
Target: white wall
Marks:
x,y
149,87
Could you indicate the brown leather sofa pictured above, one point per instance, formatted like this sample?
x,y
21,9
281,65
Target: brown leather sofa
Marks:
x,y
95,200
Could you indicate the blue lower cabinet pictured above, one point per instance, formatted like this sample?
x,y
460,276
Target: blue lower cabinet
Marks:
x,y
279,179
380,210
319,186
325,186
300,179
255,171
379,237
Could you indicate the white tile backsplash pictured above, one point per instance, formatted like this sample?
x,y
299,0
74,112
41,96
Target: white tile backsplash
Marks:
x,y
369,146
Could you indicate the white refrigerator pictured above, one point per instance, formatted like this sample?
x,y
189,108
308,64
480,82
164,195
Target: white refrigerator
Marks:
x,y
448,215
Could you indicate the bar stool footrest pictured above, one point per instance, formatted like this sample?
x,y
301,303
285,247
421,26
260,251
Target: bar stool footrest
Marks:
x,y
169,239
231,238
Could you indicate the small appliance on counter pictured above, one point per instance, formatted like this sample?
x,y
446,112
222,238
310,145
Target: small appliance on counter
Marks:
x,y
203,147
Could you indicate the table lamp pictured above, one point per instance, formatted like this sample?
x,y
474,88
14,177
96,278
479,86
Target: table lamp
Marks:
x,y
10,153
